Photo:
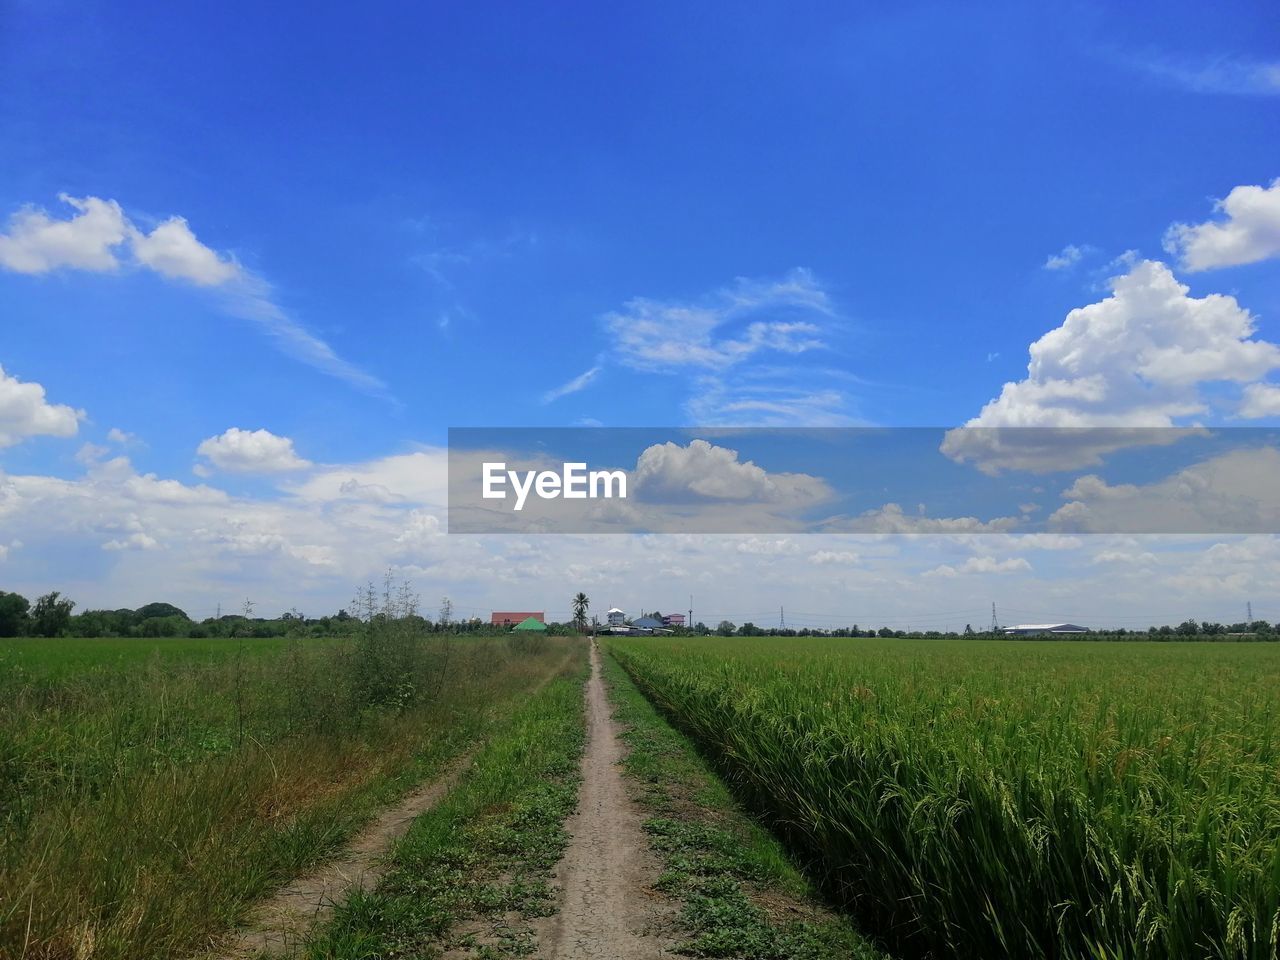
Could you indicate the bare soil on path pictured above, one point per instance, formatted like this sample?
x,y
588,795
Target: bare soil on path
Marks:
x,y
281,923
608,909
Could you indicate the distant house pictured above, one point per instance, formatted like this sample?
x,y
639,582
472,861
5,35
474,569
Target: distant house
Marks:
x,y
648,623
1044,629
673,620
509,618
531,624
616,618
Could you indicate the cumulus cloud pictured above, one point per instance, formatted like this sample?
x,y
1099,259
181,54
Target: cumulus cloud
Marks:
x,y
669,472
37,243
251,451
1247,231
1260,400
1237,491
979,565
173,251
891,518
101,238
1135,360
24,412
840,558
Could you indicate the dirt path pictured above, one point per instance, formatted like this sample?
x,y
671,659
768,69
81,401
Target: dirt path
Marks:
x,y
280,923
608,910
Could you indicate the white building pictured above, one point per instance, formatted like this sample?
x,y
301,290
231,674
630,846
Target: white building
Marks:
x,y
1042,629
616,617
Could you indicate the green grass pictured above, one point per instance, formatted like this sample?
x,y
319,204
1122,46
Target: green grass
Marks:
x,y
1033,799
145,805
40,657
740,894
473,871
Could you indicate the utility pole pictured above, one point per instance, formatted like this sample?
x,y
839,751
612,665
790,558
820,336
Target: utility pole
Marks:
x,y
689,622
1248,614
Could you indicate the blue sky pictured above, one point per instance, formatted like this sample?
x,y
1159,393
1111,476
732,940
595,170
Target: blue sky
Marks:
x,y
408,217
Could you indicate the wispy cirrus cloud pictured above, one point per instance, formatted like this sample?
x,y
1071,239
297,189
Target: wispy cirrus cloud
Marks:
x,y
1068,256
580,382
746,345
1235,76
99,237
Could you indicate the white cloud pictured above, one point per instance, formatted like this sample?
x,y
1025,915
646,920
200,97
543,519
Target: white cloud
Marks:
x,y
37,243
172,250
94,238
251,451
1236,76
668,472
135,541
1260,400
420,477
892,519
1249,231
1237,491
981,565
24,412
745,349
749,317
1133,361
1068,257
580,382
833,557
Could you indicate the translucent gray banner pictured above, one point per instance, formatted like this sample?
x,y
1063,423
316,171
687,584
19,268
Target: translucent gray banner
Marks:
x,y
916,480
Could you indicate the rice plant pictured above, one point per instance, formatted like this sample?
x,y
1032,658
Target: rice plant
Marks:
x,y
980,799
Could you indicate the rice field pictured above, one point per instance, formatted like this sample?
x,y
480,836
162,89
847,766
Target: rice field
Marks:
x,y
1022,799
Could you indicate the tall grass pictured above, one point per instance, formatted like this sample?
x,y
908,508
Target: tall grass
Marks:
x,y
1023,800
144,806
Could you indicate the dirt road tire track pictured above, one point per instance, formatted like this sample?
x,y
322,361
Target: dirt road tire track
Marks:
x,y
608,909
280,923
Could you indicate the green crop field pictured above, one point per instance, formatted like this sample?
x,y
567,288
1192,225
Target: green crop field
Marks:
x,y
983,799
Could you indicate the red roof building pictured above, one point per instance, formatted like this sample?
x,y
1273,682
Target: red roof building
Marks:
x,y
509,618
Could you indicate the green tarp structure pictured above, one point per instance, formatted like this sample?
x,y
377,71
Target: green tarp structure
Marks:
x,y
531,623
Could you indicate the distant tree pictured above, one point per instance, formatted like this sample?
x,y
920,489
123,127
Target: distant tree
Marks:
x,y
581,603
968,629
51,614
160,610
885,632
726,628
1188,628
749,629
13,614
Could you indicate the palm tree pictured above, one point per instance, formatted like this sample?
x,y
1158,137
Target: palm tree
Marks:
x,y
580,605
